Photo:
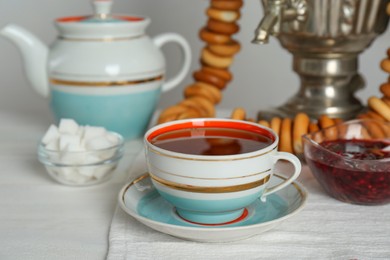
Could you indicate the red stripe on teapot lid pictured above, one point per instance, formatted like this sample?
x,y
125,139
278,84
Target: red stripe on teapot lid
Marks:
x,y
102,14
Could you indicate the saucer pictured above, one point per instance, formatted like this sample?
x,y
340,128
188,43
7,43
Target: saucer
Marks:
x,y
140,200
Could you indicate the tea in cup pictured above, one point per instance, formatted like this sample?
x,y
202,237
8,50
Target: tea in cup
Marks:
x,y
211,169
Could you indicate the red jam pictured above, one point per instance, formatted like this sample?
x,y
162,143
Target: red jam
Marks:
x,y
358,172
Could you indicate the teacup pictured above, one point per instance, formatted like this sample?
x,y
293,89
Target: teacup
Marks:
x,y
211,169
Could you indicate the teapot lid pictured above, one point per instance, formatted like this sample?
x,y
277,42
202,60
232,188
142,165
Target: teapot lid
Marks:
x,y
102,24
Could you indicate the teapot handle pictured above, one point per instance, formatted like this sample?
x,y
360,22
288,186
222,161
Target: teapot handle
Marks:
x,y
159,41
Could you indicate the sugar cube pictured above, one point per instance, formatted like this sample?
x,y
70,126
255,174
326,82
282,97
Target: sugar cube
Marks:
x,y
72,158
72,175
50,135
68,126
91,132
80,131
97,143
87,171
112,138
52,145
70,143
91,158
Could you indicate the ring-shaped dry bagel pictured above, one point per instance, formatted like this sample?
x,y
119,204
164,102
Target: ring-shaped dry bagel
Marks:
x,y
204,76
215,61
212,37
380,107
232,5
276,122
385,89
222,27
222,73
238,113
325,121
285,142
204,90
227,49
223,15
300,128
385,65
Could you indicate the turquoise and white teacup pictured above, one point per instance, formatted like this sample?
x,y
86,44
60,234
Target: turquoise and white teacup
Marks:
x,y
214,189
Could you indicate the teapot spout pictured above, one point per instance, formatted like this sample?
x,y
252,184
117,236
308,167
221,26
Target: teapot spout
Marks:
x,y
34,54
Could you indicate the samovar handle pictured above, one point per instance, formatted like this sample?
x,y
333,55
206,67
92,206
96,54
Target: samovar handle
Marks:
x,y
275,13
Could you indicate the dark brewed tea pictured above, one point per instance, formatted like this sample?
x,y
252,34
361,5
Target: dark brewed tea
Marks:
x,y
357,180
211,141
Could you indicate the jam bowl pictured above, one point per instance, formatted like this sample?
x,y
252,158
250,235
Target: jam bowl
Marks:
x,y
351,160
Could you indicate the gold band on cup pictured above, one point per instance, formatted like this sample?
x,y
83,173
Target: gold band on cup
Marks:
x,y
215,189
209,178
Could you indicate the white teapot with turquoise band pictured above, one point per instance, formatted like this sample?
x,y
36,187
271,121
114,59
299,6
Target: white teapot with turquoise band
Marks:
x,y
102,70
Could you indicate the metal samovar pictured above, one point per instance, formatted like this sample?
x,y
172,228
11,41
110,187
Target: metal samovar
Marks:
x,y
325,38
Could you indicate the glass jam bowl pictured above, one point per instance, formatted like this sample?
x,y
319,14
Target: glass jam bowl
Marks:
x,y
351,160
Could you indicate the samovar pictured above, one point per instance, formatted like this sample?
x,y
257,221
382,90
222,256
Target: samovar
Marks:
x,y
325,38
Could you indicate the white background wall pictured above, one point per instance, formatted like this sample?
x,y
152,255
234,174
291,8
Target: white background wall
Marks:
x,y
263,75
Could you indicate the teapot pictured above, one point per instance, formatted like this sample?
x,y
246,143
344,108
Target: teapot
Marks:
x,y
102,70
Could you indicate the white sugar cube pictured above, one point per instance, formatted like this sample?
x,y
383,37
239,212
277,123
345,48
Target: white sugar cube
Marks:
x,y
55,157
52,145
80,131
68,126
75,147
68,173
81,179
53,171
98,143
72,155
112,138
87,171
91,132
71,143
92,158
50,135
107,154
72,158
72,175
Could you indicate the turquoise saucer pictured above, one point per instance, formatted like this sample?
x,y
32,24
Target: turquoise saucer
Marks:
x,y
141,200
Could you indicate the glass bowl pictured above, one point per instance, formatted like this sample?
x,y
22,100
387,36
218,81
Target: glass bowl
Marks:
x,y
82,168
351,160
